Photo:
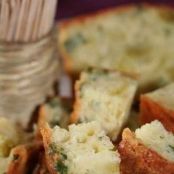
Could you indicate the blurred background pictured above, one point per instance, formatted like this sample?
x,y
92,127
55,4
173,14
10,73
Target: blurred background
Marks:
x,y
68,8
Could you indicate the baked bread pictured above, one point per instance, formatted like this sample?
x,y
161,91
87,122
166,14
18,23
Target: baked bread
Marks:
x,y
135,39
159,105
21,157
84,148
15,152
41,165
106,97
150,150
55,112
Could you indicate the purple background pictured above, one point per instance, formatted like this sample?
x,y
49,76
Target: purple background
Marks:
x,y
68,8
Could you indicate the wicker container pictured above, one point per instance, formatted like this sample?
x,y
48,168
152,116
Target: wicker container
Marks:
x,y
27,74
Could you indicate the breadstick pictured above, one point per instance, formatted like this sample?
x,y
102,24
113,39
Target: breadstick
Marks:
x,y
44,18
11,20
7,18
21,21
16,17
31,19
3,19
53,7
37,20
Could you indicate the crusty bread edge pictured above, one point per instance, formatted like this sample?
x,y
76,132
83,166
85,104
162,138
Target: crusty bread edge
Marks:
x,y
151,110
137,158
46,133
22,154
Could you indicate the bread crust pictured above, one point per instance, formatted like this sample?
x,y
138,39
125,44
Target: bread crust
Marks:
x,y
22,155
41,166
151,110
74,117
64,24
138,159
46,133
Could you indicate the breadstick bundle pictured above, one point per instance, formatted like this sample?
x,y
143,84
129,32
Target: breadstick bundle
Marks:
x,y
26,20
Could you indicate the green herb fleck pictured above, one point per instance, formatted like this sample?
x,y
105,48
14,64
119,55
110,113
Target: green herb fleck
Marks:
x,y
100,138
63,156
54,103
61,168
161,137
172,147
74,42
53,148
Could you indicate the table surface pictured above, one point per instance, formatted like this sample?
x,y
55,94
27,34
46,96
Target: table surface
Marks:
x,y
69,8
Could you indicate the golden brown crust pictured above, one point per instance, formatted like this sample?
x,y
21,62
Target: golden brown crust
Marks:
x,y
74,117
138,159
151,110
41,167
41,120
63,25
51,158
21,157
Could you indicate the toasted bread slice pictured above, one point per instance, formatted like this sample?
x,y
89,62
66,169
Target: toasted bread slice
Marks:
x,y
15,152
21,156
83,148
134,39
159,105
150,150
41,167
106,97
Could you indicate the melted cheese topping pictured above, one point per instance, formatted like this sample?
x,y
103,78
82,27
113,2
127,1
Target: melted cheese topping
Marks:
x,y
164,96
136,40
106,98
155,137
87,149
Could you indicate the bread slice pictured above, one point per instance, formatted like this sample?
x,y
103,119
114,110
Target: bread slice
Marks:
x,y
106,97
159,105
150,150
10,136
41,165
15,149
134,39
20,158
84,148
55,112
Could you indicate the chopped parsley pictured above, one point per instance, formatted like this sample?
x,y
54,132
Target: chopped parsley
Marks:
x,y
171,147
53,148
61,168
54,103
74,42
63,156
161,137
